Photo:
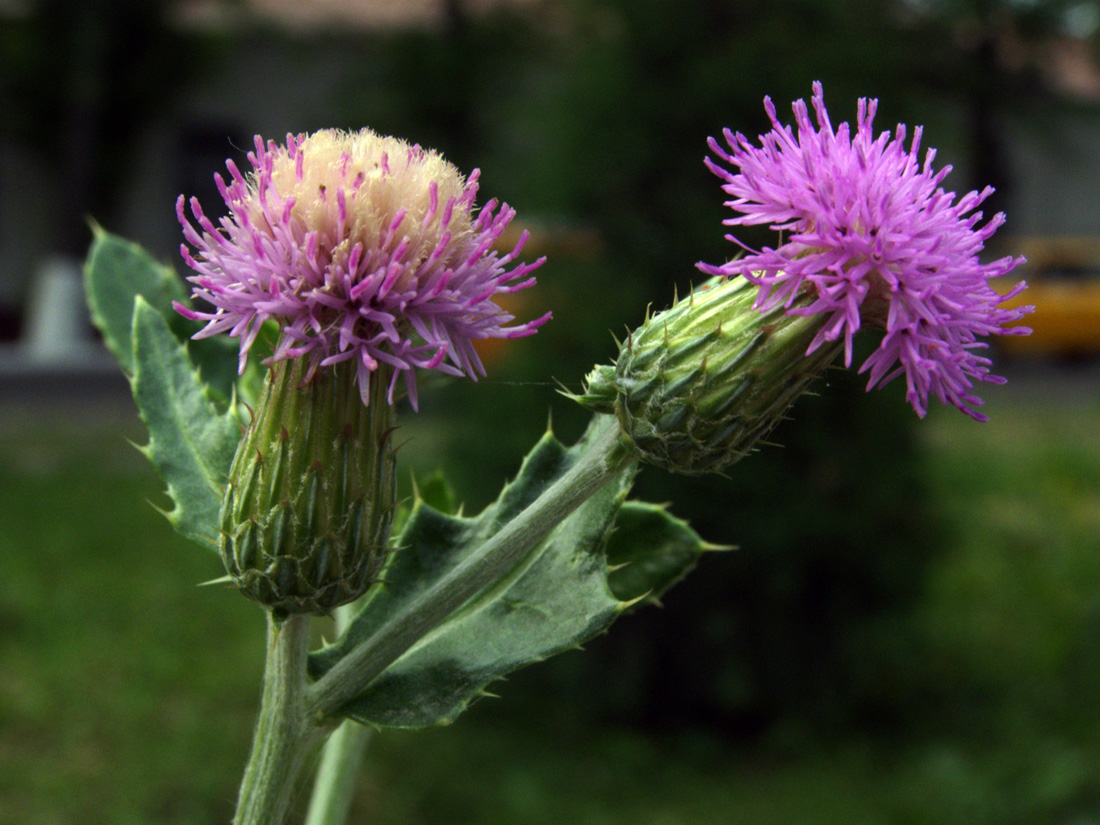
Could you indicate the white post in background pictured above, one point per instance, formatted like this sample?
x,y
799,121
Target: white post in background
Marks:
x,y
56,327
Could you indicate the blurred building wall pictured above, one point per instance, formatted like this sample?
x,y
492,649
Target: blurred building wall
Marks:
x,y
272,79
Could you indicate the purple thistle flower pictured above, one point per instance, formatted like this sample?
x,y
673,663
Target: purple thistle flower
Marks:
x,y
871,238
362,248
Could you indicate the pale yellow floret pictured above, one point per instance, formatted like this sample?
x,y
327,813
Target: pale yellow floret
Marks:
x,y
375,201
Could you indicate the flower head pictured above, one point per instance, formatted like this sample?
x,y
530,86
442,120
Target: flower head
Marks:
x,y
363,248
871,238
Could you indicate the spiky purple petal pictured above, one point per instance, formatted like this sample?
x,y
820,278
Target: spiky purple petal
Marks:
x,y
872,237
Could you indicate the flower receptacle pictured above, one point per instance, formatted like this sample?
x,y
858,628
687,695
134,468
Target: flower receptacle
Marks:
x,y
698,385
306,514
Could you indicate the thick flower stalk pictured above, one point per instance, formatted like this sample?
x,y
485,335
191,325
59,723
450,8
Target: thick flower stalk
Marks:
x,y
363,249
870,238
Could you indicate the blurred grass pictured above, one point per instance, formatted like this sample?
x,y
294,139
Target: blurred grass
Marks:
x,y
127,693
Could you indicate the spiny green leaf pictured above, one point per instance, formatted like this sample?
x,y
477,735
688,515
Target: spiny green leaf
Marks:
x,y
191,443
115,272
650,551
552,601
437,492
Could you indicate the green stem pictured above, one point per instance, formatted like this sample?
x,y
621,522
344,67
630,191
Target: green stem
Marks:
x,y
341,759
334,787
605,459
285,731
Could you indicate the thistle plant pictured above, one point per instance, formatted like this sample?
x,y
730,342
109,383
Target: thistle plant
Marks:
x,y
348,262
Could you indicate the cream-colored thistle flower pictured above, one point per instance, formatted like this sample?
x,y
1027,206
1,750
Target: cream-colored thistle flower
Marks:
x,y
363,248
359,168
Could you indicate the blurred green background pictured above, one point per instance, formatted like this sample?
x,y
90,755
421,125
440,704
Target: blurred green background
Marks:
x,y
909,631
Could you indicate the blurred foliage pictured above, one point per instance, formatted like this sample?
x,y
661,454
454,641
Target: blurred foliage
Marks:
x,y
105,638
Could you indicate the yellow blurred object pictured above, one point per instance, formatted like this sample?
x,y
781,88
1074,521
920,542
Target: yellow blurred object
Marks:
x,y
549,238
1063,276
556,241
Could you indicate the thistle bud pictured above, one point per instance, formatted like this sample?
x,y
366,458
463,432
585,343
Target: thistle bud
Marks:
x,y
696,386
306,514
